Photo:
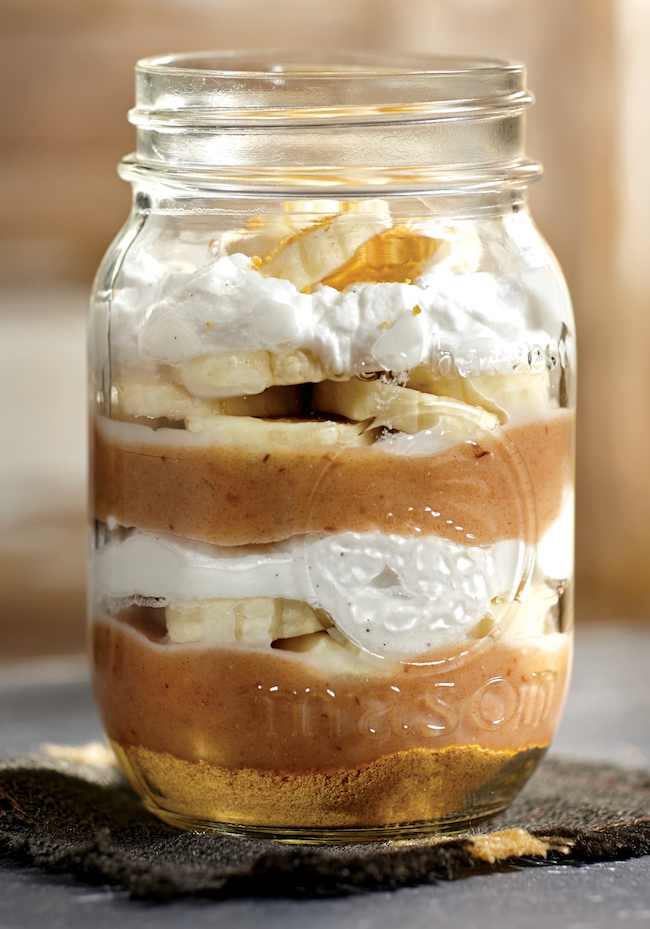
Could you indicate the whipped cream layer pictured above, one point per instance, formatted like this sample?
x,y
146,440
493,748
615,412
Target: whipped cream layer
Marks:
x,y
486,322
393,595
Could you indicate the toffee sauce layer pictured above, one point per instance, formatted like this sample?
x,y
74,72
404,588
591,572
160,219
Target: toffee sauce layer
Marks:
x,y
476,492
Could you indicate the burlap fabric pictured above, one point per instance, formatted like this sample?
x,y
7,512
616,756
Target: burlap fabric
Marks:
x,y
67,816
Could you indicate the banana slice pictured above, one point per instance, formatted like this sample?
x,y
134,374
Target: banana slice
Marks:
x,y
297,618
528,617
227,374
249,372
515,395
300,367
150,399
397,255
183,628
509,396
486,625
263,433
253,621
532,615
424,378
461,249
316,643
398,408
224,621
314,255
264,235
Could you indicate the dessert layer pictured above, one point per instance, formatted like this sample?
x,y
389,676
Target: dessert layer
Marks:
x,y
502,485
399,595
420,784
270,710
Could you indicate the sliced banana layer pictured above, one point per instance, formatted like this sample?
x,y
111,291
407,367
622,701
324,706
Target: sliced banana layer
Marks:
x,y
236,420
320,251
155,399
263,433
408,409
249,372
400,408
254,622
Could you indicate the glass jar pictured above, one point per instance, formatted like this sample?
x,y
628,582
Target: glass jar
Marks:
x,y
332,416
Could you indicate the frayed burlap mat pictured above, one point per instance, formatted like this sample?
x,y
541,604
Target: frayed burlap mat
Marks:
x,y
71,811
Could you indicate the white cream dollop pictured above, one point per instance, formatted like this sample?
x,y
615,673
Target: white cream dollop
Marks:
x,y
486,322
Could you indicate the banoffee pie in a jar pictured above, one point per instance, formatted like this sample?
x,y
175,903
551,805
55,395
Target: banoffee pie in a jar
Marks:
x,y
332,418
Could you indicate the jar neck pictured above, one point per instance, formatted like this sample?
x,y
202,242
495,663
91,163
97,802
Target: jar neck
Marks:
x,y
152,197
265,124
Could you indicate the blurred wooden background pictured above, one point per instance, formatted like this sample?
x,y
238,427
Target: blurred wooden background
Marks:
x,y
67,77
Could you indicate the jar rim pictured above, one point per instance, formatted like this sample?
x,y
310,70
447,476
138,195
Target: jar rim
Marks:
x,y
328,65
260,86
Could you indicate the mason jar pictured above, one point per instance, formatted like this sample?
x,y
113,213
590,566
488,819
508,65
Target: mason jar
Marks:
x,y
332,417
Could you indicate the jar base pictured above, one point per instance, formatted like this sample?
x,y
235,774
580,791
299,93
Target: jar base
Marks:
x,y
344,835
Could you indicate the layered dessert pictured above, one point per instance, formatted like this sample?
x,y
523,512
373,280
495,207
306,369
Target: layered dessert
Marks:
x,y
332,493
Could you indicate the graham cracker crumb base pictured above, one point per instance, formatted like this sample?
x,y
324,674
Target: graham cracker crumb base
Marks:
x,y
418,784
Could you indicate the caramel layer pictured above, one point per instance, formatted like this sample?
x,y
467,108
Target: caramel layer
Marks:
x,y
478,492
409,786
271,710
